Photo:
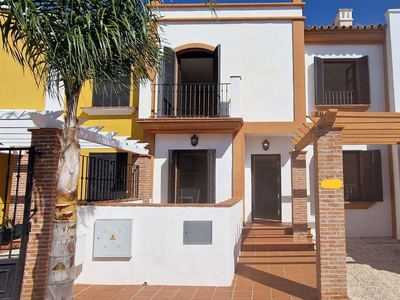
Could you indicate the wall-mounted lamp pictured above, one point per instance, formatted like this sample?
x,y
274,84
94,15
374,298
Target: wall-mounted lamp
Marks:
x,y
194,140
265,144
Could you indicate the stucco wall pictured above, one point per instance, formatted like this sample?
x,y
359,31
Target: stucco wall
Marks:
x,y
393,59
18,89
158,255
258,51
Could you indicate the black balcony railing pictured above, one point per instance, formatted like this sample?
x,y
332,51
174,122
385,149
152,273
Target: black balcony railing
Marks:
x,y
103,179
339,98
192,100
351,192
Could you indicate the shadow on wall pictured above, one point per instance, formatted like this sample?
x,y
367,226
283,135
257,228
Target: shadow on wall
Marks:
x,y
85,213
238,243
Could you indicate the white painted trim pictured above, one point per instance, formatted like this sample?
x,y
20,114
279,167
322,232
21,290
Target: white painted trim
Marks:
x,y
109,111
15,124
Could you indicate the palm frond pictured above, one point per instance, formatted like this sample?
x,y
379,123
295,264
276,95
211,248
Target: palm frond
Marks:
x,y
81,40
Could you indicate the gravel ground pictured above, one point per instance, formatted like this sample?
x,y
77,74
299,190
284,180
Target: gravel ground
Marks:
x,y
373,268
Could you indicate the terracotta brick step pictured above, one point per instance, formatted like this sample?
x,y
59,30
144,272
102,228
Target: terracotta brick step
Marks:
x,y
279,246
266,231
270,238
258,231
273,236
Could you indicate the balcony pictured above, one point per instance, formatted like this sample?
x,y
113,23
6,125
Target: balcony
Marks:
x,y
192,100
188,108
339,98
351,192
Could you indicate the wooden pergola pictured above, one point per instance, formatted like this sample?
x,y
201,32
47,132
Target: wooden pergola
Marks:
x,y
358,128
327,132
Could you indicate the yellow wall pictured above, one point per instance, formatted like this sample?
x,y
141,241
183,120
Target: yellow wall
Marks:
x,y
124,125
3,179
18,89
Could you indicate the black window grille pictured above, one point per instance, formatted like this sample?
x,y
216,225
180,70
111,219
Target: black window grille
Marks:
x,y
107,176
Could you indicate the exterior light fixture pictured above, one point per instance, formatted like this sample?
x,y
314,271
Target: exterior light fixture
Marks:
x,y
265,144
194,140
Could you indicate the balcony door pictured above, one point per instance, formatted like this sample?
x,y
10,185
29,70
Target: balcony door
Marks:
x,y
266,187
197,77
191,176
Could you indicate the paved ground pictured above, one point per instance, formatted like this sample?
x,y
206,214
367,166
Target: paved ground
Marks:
x,y
373,268
373,273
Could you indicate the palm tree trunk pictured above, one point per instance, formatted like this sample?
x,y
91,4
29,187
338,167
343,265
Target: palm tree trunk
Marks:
x,y
61,277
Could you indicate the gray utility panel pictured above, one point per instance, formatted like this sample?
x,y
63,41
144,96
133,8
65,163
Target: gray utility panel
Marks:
x,y
197,232
112,238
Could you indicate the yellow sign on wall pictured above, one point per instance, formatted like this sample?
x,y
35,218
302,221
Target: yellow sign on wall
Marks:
x,y
331,183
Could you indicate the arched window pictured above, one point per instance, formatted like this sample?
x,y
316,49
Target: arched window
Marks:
x,y
190,83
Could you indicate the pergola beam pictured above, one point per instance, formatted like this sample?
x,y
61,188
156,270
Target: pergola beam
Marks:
x,y
102,138
359,128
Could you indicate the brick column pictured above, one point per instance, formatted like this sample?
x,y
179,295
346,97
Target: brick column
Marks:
x,y
299,196
145,179
330,218
47,142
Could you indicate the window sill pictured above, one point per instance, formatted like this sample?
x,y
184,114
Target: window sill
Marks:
x,y
357,204
351,107
109,110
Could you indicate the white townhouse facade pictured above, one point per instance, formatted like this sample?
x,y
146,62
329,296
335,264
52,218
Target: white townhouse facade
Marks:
x,y
253,74
255,116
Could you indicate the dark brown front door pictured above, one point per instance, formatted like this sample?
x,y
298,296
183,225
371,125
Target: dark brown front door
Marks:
x,y
266,186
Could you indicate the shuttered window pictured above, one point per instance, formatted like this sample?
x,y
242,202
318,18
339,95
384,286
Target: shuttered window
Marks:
x,y
341,81
112,94
362,172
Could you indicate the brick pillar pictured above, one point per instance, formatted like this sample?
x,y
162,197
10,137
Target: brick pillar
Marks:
x,y
145,179
330,218
299,196
47,142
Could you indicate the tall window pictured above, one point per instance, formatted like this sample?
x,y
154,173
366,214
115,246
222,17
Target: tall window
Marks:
x,y
341,81
191,176
197,89
362,172
111,93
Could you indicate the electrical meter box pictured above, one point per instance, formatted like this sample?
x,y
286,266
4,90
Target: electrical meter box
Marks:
x,y
197,232
112,238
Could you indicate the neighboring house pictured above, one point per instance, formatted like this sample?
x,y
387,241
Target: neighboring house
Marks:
x,y
107,136
110,161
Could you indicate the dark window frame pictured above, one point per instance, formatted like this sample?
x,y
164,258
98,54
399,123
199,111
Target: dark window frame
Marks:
x,y
342,98
112,94
173,174
369,176
189,99
107,176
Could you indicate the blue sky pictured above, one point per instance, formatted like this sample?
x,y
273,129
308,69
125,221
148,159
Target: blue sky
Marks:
x,y
323,12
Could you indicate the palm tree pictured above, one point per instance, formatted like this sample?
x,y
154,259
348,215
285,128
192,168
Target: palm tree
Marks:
x,y
69,42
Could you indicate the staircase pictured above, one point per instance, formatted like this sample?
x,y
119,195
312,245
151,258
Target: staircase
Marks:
x,y
264,235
